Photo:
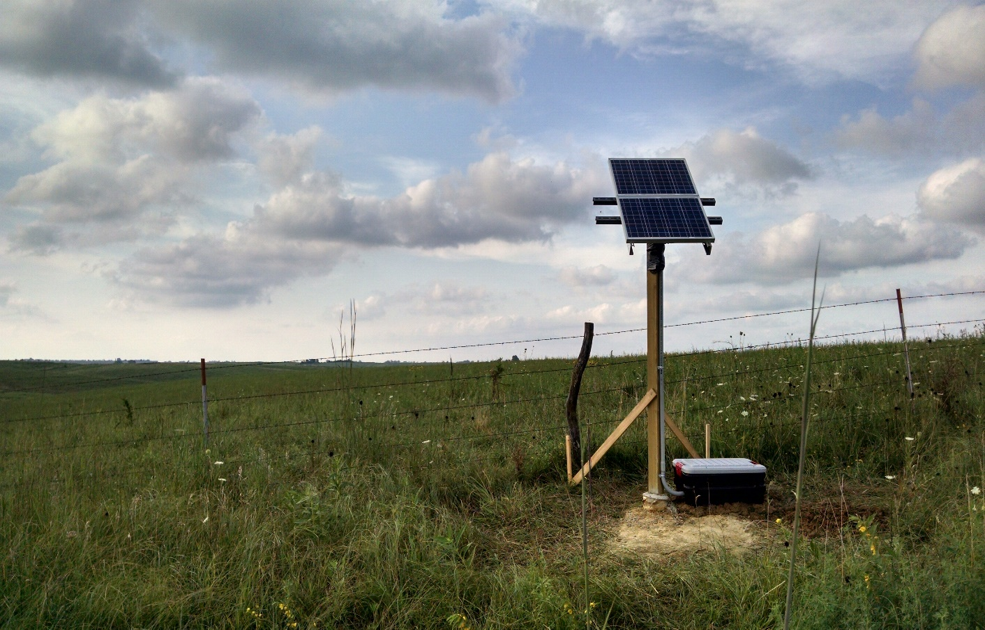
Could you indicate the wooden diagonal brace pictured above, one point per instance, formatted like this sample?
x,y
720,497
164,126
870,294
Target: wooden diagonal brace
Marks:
x,y
614,436
680,436
617,433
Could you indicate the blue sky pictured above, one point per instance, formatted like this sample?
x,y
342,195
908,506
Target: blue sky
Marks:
x,y
187,178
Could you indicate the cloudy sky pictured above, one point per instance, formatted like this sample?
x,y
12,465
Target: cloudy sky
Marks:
x,y
219,178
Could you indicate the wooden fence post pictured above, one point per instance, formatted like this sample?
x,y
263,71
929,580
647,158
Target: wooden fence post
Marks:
x,y
572,404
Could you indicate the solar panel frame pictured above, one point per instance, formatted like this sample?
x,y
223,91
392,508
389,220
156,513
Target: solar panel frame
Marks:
x,y
658,201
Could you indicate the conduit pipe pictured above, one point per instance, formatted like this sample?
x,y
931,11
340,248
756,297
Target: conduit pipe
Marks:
x,y
660,383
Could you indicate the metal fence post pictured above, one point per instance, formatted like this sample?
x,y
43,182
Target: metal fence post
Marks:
x,y
906,348
205,407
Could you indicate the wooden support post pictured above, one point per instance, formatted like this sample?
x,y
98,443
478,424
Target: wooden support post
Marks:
x,y
614,436
654,438
572,404
707,441
567,453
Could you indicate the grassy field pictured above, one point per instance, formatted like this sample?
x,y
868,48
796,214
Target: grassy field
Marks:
x,y
434,496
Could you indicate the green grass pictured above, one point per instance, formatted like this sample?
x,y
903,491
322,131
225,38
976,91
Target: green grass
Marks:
x,y
399,496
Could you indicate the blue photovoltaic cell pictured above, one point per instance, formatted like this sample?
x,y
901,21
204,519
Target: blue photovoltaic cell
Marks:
x,y
651,177
664,219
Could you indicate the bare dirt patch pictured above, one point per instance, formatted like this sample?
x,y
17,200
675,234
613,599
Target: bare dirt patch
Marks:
x,y
642,532
740,528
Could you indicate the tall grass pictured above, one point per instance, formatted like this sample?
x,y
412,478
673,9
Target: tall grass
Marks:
x,y
805,423
413,495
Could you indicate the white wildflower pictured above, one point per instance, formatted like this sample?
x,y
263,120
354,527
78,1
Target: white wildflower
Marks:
x,y
890,477
976,490
909,439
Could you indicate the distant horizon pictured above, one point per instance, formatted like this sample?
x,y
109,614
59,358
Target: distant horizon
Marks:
x,y
889,333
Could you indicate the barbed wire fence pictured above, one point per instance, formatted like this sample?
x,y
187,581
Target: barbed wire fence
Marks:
x,y
449,415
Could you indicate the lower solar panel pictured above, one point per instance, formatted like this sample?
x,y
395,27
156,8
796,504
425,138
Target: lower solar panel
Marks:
x,y
664,220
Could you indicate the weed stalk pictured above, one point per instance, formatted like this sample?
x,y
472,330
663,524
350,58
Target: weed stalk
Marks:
x,y
584,524
804,423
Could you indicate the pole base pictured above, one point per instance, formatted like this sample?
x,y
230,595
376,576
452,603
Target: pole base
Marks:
x,y
655,502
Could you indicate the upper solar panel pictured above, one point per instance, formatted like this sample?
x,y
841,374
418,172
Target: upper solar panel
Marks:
x,y
651,177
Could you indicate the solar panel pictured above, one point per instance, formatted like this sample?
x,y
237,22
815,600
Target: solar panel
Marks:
x,y
664,220
651,177
658,201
